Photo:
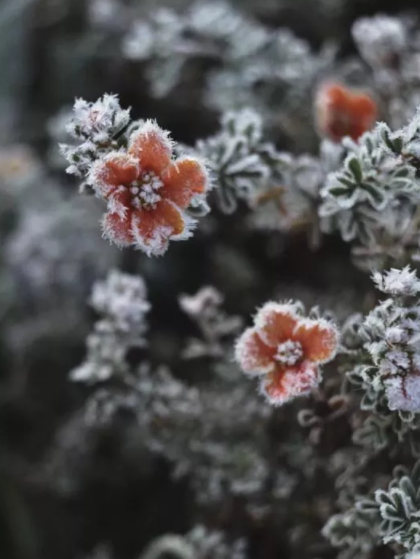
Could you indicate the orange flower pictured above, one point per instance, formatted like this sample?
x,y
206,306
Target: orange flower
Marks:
x,y
341,111
285,350
147,192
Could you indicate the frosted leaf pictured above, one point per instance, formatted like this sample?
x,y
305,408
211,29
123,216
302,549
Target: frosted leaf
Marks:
x,y
403,393
240,160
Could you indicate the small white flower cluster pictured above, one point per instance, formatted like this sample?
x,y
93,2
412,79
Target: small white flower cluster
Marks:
x,y
122,301
239,158
94,129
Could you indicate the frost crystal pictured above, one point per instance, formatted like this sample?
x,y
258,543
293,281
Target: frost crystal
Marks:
x,y
398,282
94,127
404,393
99,121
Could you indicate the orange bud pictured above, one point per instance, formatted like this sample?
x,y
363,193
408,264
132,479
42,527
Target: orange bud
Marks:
x,y
341,111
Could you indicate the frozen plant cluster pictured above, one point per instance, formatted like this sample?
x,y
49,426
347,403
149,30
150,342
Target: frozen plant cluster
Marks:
x,y
232,421
372,198
388,516
242,162
383,352
55,248
121,302
94,129
203,434
270,64
390,46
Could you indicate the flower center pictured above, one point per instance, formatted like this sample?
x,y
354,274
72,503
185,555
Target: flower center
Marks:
x,y
144,190
289,353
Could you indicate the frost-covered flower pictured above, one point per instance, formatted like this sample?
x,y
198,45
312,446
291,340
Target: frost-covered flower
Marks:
x,y
285,349
341,111
147,192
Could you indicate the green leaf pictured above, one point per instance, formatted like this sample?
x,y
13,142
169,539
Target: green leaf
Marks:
x,y
355,167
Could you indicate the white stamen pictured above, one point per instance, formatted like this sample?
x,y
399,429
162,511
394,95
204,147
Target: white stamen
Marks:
x,y
289,353
145,191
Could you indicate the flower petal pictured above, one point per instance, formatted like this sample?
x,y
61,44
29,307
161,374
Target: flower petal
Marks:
x,y
114,170
152,229
364,108
342,111
283,385
319,340
151,147
119,201
118,229
183,179
275,323
253,355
